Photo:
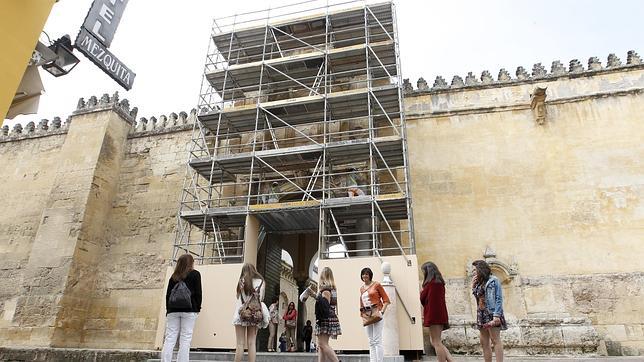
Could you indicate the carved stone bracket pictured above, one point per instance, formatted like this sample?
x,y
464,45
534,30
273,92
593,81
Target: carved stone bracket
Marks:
x,y
538,105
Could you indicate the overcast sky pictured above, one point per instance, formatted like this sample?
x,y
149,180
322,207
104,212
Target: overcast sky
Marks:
x,y
165,43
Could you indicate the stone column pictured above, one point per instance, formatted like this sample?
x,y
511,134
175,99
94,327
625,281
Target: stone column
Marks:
x,y
390,336
59,275
251,236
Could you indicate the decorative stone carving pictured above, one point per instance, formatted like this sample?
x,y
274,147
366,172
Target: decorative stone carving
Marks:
x,y
539,71
5,130
153,123
142,125
632,58
68,122
163,121
407,87
470,79
594,63
122,107
134,112
421,84
105,99
557,68
538,105
521,73
30,127
575,66
509,269
55,123
43,125
17,129
613,61
440,83
192,117
504,75
183,116
457,82
173,119
486,77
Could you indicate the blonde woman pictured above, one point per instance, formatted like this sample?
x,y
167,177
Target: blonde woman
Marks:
x,y
328,327
250,283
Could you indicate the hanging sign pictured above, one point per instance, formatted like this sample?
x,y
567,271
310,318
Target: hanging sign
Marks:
x,y
96,36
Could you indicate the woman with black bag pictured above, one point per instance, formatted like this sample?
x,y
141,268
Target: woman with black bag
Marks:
x,y
182,304
327,325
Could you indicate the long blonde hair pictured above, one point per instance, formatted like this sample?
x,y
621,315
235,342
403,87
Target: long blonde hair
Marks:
x,y
248,273
326,278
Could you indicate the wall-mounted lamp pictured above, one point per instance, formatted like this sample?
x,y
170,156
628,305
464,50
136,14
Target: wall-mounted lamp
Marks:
x,y
65,60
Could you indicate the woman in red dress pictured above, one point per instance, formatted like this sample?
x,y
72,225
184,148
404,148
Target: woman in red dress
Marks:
x,y
435,317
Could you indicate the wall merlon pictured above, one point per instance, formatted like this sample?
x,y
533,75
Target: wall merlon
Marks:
x,y
122,107
44,128
164,124
539,72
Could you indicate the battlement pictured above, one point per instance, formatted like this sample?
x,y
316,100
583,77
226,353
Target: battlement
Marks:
x,y
539,73
164,124
45,127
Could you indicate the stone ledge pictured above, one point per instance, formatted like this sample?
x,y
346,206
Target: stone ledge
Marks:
x,y
74,354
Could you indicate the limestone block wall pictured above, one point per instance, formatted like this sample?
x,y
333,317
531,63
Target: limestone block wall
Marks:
x,y
29,158
141,228
549,191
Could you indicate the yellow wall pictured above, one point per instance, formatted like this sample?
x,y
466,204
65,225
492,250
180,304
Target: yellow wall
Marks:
x,y
21,22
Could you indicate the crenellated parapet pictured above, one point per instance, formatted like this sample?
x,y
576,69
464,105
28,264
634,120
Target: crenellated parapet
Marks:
x,y
43,128
538,72
93,104
164,124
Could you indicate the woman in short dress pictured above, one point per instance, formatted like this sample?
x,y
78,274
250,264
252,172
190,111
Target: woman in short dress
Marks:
x,y
250,281
329,327
489,312
432,297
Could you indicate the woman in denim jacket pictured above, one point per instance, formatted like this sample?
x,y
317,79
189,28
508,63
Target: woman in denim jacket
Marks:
x,y
489,312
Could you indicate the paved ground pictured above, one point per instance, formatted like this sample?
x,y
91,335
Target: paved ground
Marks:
x,y
544,359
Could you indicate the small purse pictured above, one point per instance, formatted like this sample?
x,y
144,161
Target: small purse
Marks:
x,y
370,316
291,323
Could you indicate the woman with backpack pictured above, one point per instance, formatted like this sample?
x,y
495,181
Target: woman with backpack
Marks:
x,y
182,304
373,304
250,312
290,322
327,325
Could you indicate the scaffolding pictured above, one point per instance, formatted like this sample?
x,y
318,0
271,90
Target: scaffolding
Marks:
x,y
301,125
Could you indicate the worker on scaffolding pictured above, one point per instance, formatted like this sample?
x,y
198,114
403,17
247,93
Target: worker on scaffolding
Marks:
x,y
352,182
272,196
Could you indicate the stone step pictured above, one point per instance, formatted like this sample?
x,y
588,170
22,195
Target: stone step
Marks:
x,y
278,357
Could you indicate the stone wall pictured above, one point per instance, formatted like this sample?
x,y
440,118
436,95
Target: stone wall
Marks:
x,y
548,187
141,229
27,173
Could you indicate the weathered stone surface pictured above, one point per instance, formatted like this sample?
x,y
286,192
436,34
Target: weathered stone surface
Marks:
x,y
569,305
73,355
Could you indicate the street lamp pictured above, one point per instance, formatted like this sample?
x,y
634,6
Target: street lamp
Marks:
x,y
65,60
